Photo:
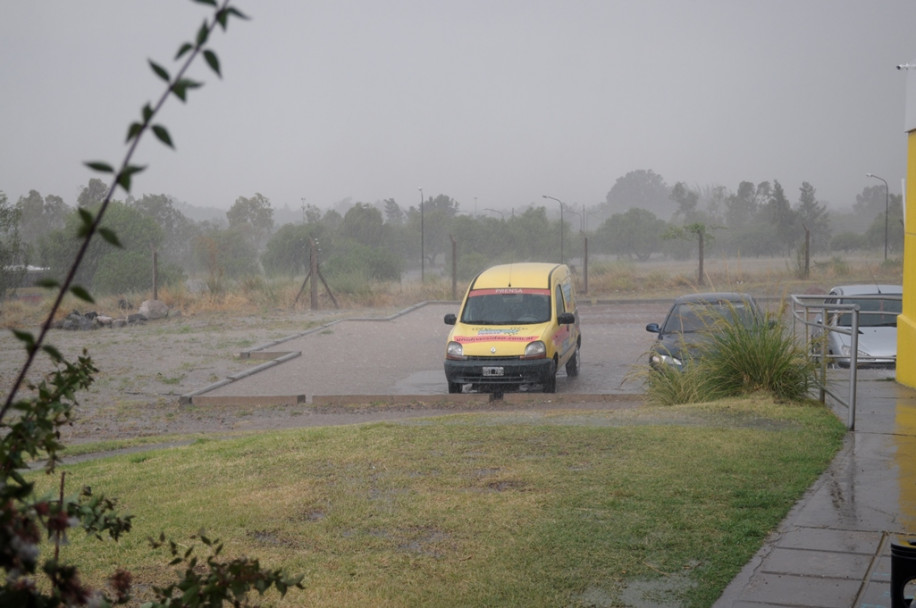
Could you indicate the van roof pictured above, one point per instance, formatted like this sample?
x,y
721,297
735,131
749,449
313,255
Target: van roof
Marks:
x,y
527,274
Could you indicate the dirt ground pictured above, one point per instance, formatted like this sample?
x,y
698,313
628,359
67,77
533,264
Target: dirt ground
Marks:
x,y
145,368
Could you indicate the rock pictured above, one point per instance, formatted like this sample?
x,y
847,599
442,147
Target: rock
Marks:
x,y
154,309
78,321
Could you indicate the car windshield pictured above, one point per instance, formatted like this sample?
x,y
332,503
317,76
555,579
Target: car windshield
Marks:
x,y
689,317
873,312
507,306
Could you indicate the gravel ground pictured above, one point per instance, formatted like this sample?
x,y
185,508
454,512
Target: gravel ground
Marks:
x,y
144,369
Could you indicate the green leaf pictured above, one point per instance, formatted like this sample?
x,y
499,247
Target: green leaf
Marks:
x,y
212,61
100,167
47,283
163,135
207,2
181,87
25,337
185,48
53,353
82,294
109,235
237,13
124,177
159,70
147,113
134,130
85,215
202,34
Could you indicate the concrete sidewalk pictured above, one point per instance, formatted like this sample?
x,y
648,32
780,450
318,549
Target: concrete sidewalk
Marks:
x,y
833,549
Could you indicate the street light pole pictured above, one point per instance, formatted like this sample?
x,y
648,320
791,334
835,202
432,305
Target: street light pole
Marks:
x,y
422,247
885,210
561,223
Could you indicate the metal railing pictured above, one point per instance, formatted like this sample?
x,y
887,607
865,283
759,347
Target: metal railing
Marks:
x,y
813,323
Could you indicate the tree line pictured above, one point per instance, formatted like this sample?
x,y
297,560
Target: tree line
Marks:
x,y
381,241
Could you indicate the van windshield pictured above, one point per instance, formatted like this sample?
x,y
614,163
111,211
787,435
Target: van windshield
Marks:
x,y
507,306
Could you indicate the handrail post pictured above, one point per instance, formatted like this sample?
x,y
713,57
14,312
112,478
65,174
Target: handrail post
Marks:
x,y
853,367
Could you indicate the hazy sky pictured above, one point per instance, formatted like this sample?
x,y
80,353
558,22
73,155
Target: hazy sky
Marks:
x,y
492,102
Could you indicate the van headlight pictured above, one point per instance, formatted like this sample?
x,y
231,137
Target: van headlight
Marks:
x,y
454,350
535,350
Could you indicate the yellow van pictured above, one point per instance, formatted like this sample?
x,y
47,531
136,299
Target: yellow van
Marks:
x,y
517,326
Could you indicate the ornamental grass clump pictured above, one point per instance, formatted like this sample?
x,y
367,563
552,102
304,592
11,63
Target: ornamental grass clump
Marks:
x,y
737,359
743,359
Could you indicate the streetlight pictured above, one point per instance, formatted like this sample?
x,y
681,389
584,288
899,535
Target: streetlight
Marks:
x,y
422,248
561,223
885,210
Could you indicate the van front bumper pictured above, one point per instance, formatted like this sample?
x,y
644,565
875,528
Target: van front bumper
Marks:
x,y
499,371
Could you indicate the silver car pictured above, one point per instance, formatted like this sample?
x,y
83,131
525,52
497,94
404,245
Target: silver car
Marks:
x,y
878,306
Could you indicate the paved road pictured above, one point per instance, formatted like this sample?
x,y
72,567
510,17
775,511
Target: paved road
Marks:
x,y
403,355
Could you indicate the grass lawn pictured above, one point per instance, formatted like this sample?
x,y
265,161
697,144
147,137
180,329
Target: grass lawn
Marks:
x,y
655,506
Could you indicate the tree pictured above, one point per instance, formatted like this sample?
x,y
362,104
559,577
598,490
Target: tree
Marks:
x,y
137,234
741,207
393,214
687,201
874,235
532,236
702,235
178,232
12,264
92,194
641,189
226,254
780,215
437,213
287,250
39,216
363,224
812,215
870,202
253,218
636,233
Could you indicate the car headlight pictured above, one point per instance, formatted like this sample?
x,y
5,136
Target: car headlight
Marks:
x,y
535,350
659,360
454,350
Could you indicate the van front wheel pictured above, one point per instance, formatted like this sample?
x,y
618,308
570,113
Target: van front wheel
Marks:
x,y
550,380
572,366
455,387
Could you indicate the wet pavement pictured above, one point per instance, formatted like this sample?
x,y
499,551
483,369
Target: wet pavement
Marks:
x,y
834,547
403,355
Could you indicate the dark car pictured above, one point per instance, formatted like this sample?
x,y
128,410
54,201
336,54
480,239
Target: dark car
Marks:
x,y
690,321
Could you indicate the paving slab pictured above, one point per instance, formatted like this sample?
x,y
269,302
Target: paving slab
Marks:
x,y
833,549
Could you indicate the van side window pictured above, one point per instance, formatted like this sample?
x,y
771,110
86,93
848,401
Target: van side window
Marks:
x,y
561,304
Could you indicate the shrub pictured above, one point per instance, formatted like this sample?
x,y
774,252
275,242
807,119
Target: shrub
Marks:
x,y
740,360
737,360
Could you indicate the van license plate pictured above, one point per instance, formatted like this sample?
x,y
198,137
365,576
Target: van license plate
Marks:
x,y
493,371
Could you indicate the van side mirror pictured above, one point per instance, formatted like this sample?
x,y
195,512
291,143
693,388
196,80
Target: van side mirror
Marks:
x,y
450,319
653,328
565,318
